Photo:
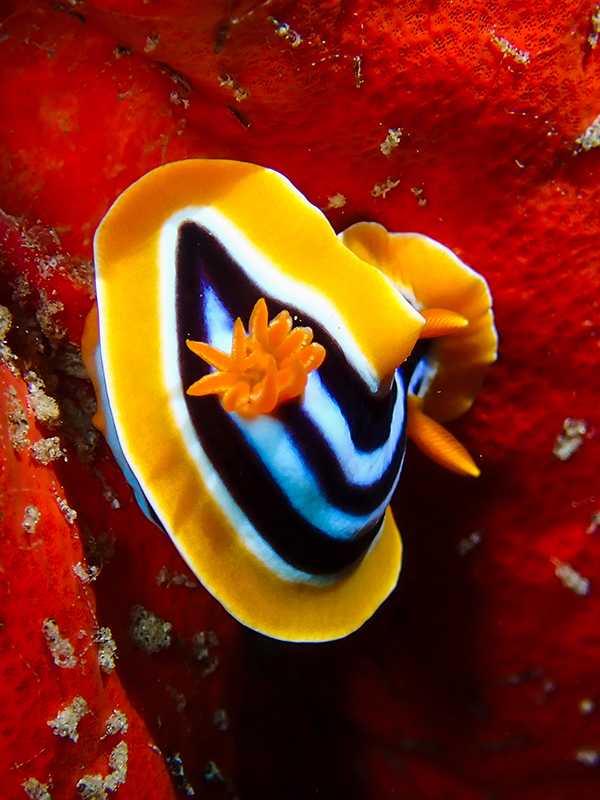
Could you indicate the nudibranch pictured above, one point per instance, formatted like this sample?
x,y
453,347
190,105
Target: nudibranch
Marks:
x,y
257,377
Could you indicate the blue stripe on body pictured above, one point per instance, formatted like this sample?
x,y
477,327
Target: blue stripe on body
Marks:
x,y
362,468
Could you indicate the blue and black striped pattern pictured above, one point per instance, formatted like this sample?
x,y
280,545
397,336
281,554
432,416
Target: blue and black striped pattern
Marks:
x,y
313,478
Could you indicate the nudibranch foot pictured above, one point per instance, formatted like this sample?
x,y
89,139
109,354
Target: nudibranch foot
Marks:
x,y
436,442
270,464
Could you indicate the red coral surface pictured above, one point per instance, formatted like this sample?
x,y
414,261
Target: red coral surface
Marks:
x,y
51,645
481,675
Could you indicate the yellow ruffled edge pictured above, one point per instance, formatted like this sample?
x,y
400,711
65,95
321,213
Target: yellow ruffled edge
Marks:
x,y
126,253
434,277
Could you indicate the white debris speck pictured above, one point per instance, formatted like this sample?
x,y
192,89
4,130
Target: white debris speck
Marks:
x,y
120,50
336,201
590,138
116,723
151,42
570,578
418,193
44,408
51,328
18,424
150,633
176,769
94,787
221,720
202,643
595,29
61,648
84,573
31,517
5,321
587,756
117,763
178,99
112,498
46,450
571,439
357,65
587,706
36,790
229,82
107,490
66,721
167,578
381,189
520,56
107,649
22,290
69,513
91,787
6,355
212,773
469,542
283,30
391,141
240,94
594,522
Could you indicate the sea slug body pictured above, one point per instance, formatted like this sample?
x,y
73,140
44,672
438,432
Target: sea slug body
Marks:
x,y
257,377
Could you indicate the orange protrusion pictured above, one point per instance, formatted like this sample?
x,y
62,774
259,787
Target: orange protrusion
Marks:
x,y
441,322
265,368
436,442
